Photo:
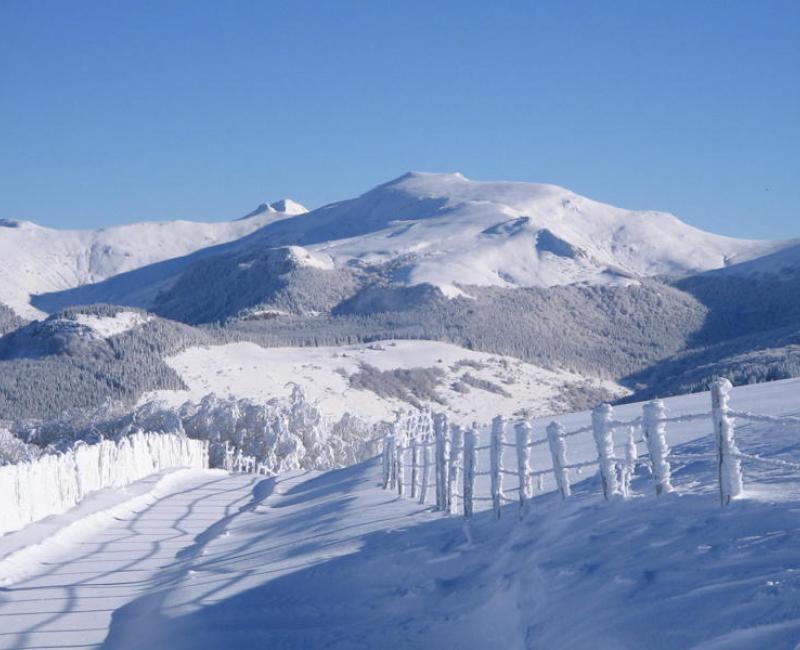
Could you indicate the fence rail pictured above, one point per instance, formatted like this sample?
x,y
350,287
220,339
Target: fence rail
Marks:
x,y
451,468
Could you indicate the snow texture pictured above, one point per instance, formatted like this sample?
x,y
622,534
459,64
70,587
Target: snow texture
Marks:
x,y
248,370
106,326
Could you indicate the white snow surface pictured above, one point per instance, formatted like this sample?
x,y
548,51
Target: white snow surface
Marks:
x,y
250,371
107,326
35,259
308,560
447,230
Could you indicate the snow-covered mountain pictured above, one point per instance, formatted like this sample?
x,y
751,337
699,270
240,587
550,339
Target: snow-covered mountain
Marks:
x,y
525,271
440,230
35,260
447,230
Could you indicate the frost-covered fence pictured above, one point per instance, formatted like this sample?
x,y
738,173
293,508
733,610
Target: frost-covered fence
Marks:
x,y
53,483
426,447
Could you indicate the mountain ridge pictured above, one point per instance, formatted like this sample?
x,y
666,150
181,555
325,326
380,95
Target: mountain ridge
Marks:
x,y
448,231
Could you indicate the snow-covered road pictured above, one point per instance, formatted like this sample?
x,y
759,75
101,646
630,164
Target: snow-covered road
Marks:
x,y
69,602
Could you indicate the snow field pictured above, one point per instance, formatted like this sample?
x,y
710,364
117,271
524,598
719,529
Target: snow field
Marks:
x,y
54,483
64,591
251,371
107,326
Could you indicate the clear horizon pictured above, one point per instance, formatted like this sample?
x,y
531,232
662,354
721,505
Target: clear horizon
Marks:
x,y
196,110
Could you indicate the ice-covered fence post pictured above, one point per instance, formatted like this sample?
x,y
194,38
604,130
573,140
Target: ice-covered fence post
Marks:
x,y
440,436
391,460
631,456
394,461
730,467
456,438
558,451
522,433
470,460
386,457
654,425
496,451
401,465
414,465
604,440
226,462
426,470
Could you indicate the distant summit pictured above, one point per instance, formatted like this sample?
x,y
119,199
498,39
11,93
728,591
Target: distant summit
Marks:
x,y
284,206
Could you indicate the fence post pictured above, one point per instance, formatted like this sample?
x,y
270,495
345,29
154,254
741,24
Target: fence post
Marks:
x,y
558,450
470,442
456,437
392,460
496,452
604,440
414,464
401,466
426,469
385,460
729,466
631,456
522,432
654,415
440,436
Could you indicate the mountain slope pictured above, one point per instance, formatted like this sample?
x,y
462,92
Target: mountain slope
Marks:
x,y
451,232
36,260
445,229
374,381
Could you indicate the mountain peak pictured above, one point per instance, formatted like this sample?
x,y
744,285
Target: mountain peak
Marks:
x,y
426,176
284,206
288,206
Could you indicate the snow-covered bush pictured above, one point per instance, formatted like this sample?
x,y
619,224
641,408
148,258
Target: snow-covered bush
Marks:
x,y
281,434
14,450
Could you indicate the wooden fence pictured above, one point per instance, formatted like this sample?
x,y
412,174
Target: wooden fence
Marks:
x,y
425,451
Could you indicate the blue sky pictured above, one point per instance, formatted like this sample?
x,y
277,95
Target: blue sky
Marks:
x,y
116,111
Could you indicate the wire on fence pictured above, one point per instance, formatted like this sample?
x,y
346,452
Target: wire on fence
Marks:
x,y
536,443
776,462
691,457
611,456
577,432
625,423
691,417
588,463
784,421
